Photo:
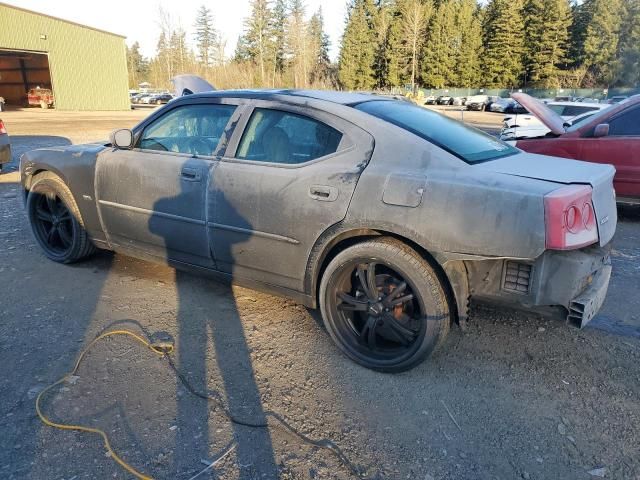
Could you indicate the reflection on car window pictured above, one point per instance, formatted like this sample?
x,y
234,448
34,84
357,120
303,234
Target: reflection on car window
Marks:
x,y
574,110
283,137
469,144
626,124
192,129
559,109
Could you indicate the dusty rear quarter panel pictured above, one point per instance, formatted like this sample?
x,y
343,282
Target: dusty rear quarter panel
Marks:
x,y
463,210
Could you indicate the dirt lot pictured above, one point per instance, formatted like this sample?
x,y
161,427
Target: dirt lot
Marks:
x,y
516,396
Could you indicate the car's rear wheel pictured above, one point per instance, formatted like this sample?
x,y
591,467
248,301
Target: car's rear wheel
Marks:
x,y
55,220
384,305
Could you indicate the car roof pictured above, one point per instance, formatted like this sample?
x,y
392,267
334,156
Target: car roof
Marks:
x,y
342,98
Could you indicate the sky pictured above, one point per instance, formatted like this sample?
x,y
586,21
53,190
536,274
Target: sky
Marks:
x,y
137,19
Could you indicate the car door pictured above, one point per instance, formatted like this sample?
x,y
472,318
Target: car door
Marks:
x,y
621,147
289,174
152,198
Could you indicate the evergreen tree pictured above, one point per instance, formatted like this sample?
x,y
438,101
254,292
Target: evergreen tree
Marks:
x,y
384,21
468,61
599,38
319,49
278,33
629,65
546,33
439,52
257,42
137,65
206,36
503,44
357,55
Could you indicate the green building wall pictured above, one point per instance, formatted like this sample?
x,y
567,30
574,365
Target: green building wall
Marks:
x,y
88,66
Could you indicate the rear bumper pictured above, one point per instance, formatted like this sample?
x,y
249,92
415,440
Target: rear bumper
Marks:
x,y
576,281
5,153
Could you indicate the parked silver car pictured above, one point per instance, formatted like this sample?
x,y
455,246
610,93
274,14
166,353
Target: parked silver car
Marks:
x,y
388,216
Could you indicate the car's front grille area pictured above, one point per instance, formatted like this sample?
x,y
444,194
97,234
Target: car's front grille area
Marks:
x,y
517,277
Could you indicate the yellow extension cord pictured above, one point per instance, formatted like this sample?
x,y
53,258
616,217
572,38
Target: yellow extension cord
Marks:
x,y
161,351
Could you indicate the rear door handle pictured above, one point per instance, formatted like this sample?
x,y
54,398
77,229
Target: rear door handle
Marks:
x,y
323,193
190,174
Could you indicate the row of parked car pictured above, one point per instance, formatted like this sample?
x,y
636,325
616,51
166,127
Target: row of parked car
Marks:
x,y
494,103
152,98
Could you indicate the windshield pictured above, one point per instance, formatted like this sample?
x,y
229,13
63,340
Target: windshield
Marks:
x,y
466,143
575,125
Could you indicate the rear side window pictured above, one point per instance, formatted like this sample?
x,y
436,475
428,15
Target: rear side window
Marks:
x,y
192,129
284,137
626,124
466,143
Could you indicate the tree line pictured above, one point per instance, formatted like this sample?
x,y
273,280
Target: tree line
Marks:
x,y
502,44
279,47
421,43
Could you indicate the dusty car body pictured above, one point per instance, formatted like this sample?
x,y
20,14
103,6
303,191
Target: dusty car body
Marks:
x,y
386,215
5,146
610,136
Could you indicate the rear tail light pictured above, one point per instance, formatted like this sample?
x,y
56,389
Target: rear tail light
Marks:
x,y
3,130
569,218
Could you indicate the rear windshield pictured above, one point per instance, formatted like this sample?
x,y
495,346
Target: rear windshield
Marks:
x,y
468,144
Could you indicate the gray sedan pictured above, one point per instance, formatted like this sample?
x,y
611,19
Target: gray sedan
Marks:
x,y
387,216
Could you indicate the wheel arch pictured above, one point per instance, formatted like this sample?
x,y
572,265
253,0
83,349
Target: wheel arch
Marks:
x,y
337,238
34,170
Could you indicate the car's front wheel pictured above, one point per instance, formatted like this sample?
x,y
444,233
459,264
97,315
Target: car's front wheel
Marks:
x,y
384,305
55,220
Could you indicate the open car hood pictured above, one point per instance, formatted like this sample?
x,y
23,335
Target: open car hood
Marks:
x,y
551,119
188,84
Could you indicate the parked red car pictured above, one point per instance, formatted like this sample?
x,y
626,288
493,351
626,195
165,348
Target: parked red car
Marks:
x,y
42,97
609,136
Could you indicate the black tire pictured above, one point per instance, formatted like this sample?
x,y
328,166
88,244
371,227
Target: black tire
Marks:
x,y
55,220
395,331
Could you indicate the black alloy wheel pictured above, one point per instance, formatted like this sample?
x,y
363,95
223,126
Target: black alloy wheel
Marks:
x,y
383,305
56,221
53,224
378,310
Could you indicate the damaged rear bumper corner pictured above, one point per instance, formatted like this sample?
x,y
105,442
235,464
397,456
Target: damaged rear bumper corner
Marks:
x,y
577,281
585,306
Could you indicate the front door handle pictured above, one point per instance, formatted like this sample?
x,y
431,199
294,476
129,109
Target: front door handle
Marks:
x,y
190,174
323,193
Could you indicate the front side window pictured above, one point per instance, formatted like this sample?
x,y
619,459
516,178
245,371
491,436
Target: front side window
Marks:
x,y
191,129
283,137
626,124
466,143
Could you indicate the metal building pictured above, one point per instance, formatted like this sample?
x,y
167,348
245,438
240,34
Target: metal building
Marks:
x,y
86,68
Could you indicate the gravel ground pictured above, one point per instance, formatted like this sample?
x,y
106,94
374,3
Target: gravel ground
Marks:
x,y
516,396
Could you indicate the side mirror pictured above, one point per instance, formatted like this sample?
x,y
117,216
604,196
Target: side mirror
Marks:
x,y
601,130
122,138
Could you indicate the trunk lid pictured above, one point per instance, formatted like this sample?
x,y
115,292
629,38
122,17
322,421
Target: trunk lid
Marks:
x,y
551,119
566,172
189,84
